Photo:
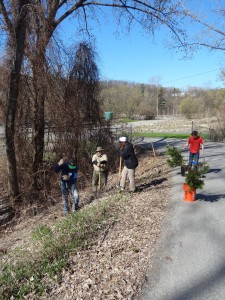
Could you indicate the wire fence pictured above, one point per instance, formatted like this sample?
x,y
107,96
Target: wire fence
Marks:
x,y
210,134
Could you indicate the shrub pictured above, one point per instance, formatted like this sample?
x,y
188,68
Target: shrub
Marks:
x,y
194,177
176,158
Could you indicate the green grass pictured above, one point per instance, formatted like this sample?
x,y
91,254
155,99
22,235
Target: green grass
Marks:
x,y
22,272
165,135
127,120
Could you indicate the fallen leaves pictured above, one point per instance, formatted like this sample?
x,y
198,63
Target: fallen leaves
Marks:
x,y
115,267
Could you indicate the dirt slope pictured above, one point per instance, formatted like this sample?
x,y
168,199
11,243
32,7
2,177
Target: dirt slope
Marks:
x,y
115,266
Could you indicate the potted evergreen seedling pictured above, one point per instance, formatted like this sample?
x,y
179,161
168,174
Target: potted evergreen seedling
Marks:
x,y
194,181
176,159
194,177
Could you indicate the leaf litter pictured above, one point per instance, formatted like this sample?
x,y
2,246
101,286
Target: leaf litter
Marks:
x,y
115,266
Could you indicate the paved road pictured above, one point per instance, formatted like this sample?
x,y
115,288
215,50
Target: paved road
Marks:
x,y
190,259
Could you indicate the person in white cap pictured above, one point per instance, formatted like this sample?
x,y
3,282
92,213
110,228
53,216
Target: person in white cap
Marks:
x,y
130,163
99,161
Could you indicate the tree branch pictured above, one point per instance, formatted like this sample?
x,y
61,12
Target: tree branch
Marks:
x,y
6,18
68,12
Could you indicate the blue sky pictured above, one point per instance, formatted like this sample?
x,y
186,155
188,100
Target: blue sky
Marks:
x,y
136,58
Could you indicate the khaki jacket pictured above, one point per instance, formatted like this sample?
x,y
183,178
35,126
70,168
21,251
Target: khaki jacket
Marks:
x,y
97,158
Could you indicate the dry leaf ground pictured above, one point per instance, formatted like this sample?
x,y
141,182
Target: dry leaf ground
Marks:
x,y
115,266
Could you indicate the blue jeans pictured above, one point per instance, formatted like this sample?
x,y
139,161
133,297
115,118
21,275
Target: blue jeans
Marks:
x,y
65,190
193,157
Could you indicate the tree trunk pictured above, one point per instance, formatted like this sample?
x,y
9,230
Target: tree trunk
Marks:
x,y
19,45
39,119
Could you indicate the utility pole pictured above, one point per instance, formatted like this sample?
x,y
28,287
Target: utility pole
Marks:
x,y
174,99
157,103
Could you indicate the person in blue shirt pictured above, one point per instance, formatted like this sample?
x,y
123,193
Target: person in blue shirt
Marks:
x,y
68,183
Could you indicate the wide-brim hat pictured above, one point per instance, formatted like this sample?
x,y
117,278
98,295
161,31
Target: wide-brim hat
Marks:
x,y
99,149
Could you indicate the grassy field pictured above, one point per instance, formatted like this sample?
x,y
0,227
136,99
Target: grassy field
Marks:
x,y
164,135
127,120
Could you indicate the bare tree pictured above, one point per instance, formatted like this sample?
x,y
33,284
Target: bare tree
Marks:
x,y
43,18
46,18
16,27
206,25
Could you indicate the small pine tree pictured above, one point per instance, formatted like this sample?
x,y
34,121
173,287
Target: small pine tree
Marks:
x,y
193,178
176,157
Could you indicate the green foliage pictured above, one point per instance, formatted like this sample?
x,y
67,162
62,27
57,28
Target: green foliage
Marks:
x,y
41,232
163,135
194,177
176,158
127,120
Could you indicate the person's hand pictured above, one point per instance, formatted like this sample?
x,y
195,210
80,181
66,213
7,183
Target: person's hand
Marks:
x,y
61,162
65,177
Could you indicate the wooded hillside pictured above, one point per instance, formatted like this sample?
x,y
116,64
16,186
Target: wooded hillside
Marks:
x,y
135,100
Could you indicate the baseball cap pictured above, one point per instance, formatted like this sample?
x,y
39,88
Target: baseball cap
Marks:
x,y
123,139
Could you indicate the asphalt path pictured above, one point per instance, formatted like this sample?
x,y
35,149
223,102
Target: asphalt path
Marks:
x,y
190,259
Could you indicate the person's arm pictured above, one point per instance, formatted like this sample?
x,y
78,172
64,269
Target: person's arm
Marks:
x,y
125,152
104,160
203,149
94,160
58,166
187,144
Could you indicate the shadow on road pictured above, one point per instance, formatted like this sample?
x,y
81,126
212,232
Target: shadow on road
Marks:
x,y
210,198
150,184
214,171
204,176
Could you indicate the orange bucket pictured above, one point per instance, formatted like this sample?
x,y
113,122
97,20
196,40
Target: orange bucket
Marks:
x,y
189,194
